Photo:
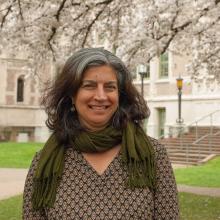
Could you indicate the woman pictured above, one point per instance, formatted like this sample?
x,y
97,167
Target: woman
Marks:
x,y
98,163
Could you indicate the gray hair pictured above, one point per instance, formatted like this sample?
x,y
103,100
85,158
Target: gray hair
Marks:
x,y
88,57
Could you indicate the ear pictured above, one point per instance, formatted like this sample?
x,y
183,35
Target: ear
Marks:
x,y
73,100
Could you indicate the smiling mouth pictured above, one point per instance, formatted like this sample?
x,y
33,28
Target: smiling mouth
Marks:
x,y
95,107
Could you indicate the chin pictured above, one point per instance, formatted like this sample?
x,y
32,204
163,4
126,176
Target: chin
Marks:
x,y
100,123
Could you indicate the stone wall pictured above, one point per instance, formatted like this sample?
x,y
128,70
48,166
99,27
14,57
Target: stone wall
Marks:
x,y
21,120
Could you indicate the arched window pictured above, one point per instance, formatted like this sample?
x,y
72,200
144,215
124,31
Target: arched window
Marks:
x,y
20,89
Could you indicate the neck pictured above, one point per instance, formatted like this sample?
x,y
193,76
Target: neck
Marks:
x,y
93,128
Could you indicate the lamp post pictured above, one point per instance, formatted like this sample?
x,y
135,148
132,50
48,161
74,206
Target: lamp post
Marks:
x,y
142,70
179,83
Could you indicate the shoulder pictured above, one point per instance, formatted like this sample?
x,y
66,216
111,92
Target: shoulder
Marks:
x,y
36,158
69,154
34,163
157,146
160,151
161,157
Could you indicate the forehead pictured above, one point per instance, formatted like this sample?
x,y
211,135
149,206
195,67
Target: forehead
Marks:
x,y
103,73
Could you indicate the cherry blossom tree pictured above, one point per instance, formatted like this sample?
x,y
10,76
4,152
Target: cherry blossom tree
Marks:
x,y
136,31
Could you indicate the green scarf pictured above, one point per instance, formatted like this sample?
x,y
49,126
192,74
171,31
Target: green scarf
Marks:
x,y
137,156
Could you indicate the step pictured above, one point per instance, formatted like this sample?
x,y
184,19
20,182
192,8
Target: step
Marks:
x,y
204,141
184,162
185,159
191,146
207,145
190,154
183,151
204,128
214,130
193,149
198,135
215,142
177,141
178,161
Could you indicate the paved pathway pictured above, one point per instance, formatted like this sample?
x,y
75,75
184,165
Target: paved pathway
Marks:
x,y
206,191
12,183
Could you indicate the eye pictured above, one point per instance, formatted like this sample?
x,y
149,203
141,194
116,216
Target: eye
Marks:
x,y
88,86
111,87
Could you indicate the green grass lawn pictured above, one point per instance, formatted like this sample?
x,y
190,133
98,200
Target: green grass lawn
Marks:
x,y
207,175
192,207
10,209
195,207
17,155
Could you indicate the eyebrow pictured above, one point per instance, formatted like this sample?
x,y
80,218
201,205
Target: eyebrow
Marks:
x,y
93,81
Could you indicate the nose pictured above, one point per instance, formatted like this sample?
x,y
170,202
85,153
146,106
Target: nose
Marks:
x,y
100,93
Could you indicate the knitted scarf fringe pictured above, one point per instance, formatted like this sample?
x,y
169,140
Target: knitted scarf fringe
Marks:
x,y
141,174
44,195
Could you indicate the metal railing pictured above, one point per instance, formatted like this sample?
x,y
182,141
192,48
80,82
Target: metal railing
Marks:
x,y
197,132
185,128
208,137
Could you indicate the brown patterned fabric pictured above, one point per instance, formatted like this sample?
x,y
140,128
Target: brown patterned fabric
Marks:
x,y
85,195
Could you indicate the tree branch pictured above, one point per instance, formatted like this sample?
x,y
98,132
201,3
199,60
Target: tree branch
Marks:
x,y
210,26
117,31
9,9
54,29
57,16
81,14
106,2
134,50
20,10
89,27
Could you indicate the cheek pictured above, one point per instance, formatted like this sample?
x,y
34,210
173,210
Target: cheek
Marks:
x,y
117,97
115,100
80,98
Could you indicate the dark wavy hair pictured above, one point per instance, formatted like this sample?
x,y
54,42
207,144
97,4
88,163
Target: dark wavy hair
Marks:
x,y
57,98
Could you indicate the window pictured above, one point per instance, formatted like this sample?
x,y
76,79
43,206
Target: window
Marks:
x,y
20,89
163,65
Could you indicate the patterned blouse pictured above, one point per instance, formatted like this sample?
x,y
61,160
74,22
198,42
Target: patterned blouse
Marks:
x,y
83,194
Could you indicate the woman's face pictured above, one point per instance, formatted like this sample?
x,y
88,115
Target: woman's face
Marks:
x,y
97,98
